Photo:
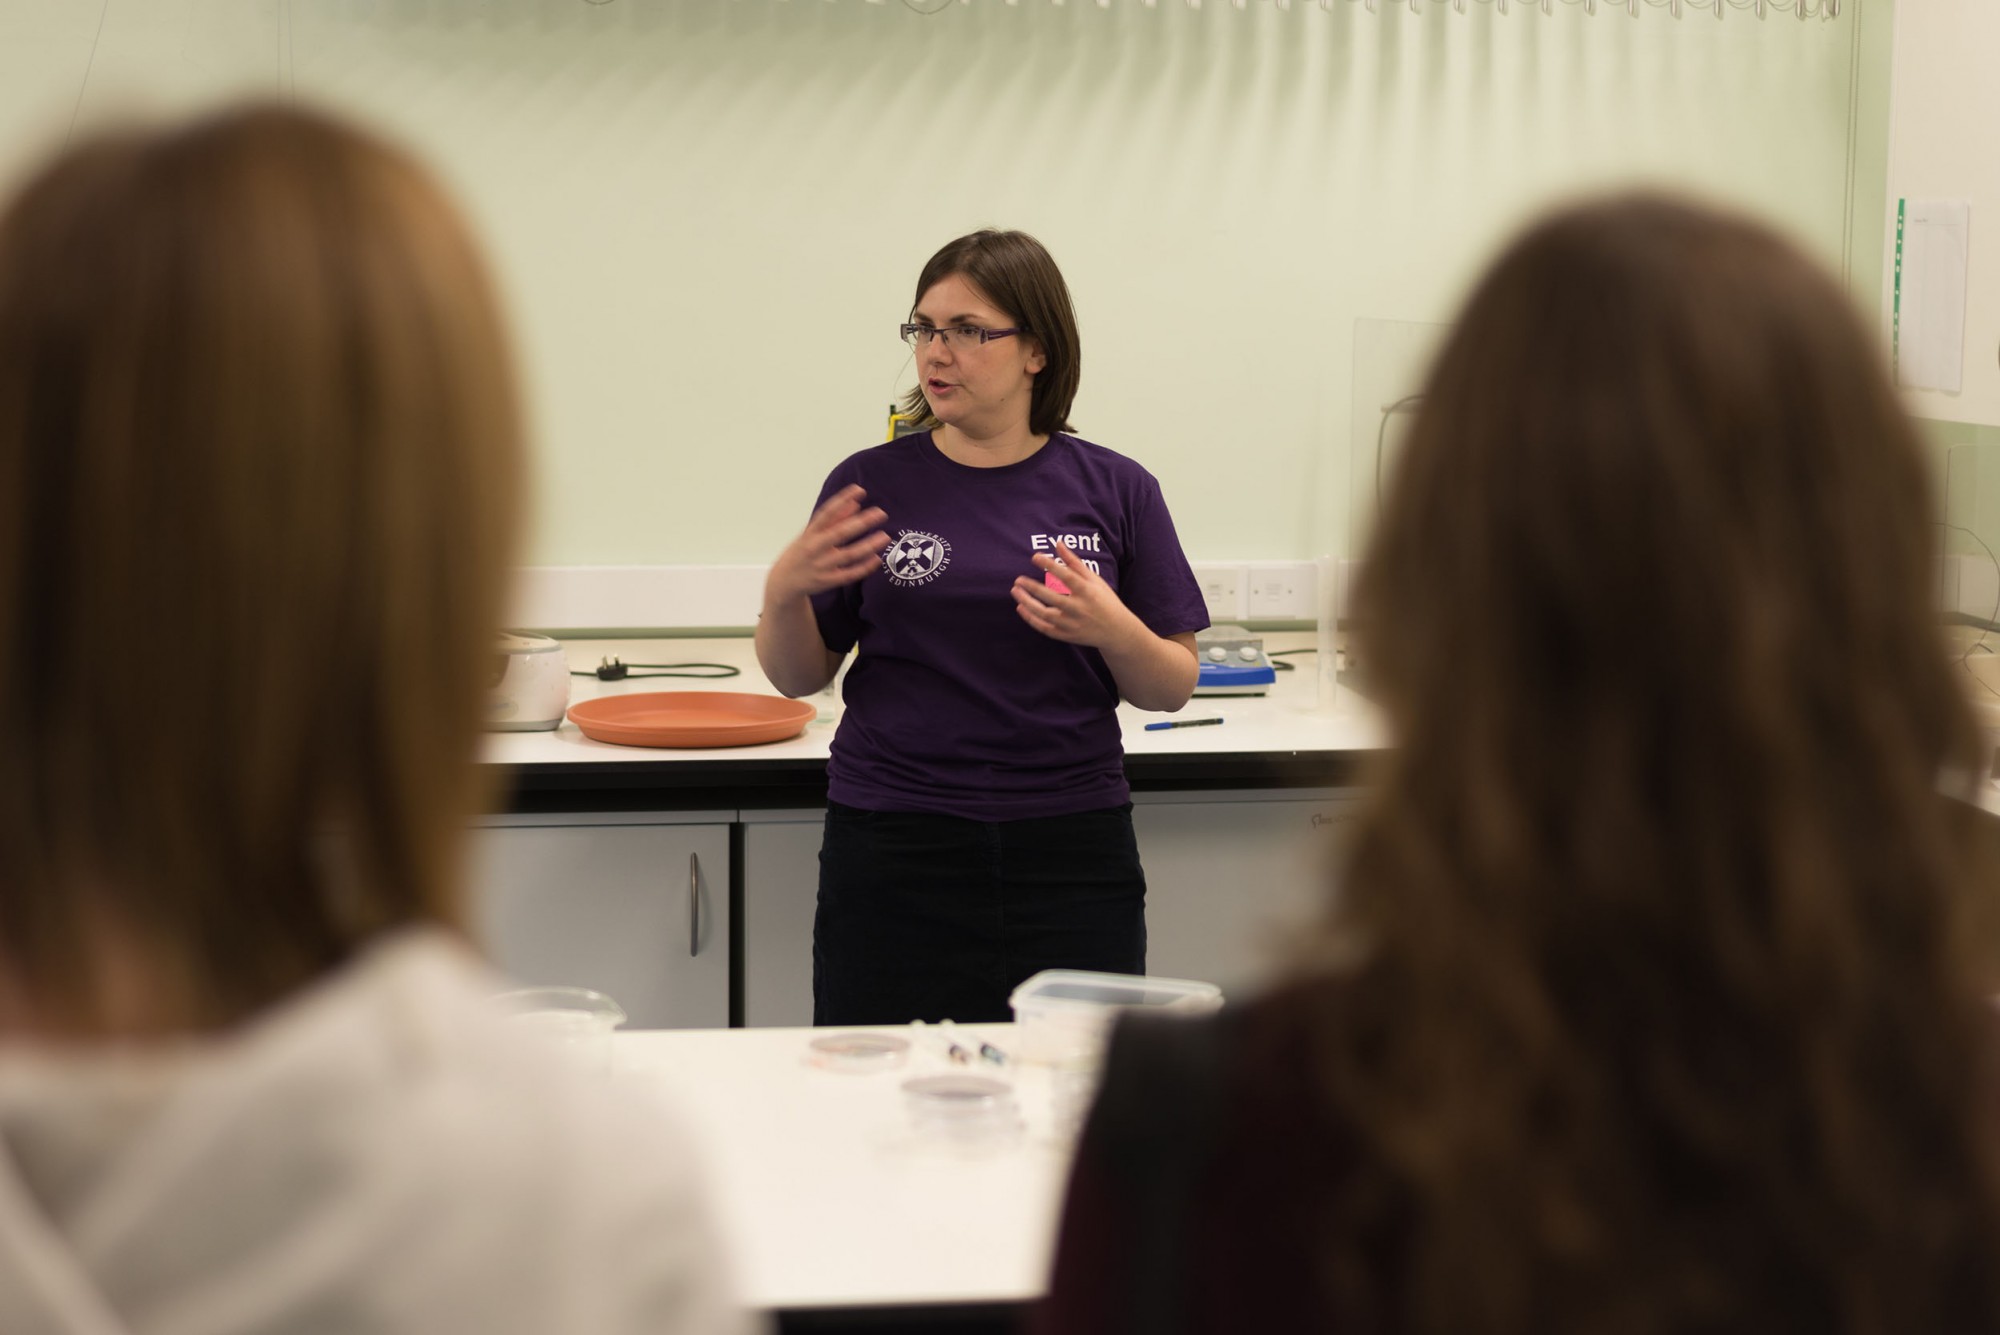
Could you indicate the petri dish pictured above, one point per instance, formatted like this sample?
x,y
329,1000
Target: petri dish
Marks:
x,y
963,1110
858,1053
957,1094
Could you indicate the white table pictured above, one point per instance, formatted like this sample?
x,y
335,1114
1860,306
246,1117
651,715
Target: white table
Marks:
x,y
829,1199
1289,719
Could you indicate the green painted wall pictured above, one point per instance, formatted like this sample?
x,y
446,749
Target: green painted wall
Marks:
x,y
708,213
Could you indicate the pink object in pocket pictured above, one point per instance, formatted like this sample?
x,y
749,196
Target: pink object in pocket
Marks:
x,y
1049,578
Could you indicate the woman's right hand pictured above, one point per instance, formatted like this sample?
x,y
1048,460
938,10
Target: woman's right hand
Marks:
x,y
842,543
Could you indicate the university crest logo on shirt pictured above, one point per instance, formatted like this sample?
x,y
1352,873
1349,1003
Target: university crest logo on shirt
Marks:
x,y
916,558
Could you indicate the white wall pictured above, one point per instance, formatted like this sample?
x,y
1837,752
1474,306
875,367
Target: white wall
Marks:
x,y
1944,143
709,213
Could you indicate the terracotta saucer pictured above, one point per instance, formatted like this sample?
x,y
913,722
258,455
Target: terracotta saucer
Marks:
x,y
691,718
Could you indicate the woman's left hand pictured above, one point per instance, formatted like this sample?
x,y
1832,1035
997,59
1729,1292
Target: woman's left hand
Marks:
x,y
1089,614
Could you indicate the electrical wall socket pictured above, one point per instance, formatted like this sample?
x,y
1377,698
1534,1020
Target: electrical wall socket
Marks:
x,y
1259,590
1221,590
1281,591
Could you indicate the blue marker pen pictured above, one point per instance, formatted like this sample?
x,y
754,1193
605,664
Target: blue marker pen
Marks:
x,y
1181,723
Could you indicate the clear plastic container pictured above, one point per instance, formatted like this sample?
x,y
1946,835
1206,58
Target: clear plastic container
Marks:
x,y
1063,1014
576,1020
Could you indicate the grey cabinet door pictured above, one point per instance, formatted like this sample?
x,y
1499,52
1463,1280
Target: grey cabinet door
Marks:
x,y
637,911
780,892
1230,878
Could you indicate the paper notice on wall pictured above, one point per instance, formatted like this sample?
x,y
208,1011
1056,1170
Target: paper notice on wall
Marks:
x,y
1927,307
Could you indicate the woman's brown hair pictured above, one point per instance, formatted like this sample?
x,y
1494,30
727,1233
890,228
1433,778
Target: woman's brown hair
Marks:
x,y
1017,274
1667,1008
259,462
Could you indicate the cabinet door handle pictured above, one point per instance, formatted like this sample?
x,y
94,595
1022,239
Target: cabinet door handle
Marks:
x,y
694,904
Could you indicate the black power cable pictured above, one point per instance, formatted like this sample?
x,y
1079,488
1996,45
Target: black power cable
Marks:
x,y
616,669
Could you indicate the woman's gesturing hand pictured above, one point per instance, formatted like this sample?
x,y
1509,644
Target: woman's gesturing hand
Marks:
x,y
842,543
1091,613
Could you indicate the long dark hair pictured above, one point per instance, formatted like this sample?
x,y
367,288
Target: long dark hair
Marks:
x,y
259,454
1667,951
1017,274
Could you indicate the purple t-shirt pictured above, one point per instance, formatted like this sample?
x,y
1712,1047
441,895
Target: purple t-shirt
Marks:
x,y
954,704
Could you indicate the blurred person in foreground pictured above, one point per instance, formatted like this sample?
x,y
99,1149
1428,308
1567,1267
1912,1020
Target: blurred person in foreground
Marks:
x,y
260,469
1652,997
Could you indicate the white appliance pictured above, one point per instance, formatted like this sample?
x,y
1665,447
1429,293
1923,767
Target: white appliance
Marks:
x,y
530,685
1233,662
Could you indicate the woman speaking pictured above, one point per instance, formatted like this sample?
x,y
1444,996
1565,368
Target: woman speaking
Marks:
x,y
1007,584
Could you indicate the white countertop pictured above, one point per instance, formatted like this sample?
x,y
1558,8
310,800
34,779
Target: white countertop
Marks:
x,y
828,1198
1289,719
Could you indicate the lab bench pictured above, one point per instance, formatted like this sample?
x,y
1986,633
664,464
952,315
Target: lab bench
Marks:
x,y
682,882
833,1204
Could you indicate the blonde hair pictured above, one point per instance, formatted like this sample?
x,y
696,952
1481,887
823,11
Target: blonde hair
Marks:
x,y
260,459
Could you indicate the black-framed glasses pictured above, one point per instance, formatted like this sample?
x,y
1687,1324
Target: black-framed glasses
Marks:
x,y
958,337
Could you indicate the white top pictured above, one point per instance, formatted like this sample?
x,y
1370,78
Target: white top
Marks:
x,y
380,1153
829,1194
1291,718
